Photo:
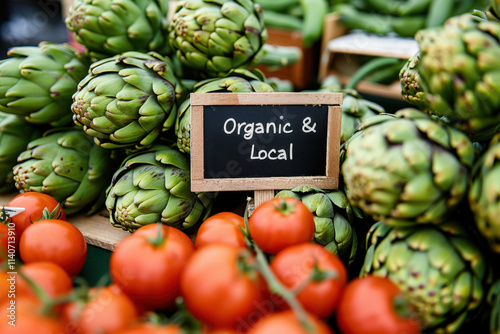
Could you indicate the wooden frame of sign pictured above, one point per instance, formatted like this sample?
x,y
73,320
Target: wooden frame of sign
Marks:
x,y
232,138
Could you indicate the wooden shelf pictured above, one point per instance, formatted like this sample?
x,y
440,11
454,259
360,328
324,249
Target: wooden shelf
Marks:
x,y
96,229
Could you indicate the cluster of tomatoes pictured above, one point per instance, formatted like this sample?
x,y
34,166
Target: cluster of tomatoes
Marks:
x,y
259,275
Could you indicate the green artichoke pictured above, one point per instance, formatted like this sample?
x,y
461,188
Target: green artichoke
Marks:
x,y
333,218
407,168
458,72
15,134
67,165
154,186
37,82
355,109
128,100
484,193
216,36
110,27
441,268
236,81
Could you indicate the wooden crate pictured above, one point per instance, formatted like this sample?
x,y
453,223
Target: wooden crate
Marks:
x,y
341,51
303,72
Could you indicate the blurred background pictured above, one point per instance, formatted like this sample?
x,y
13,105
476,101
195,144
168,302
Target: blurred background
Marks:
x,y
27,22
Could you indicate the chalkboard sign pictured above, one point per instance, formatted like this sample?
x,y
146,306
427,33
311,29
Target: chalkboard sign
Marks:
x,y
264,141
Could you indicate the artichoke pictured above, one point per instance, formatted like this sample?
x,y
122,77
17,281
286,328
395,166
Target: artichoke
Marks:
x,y
440,267
110,27
333,218
236,81
37,82
214,37
128,100
406,168
355,109
484,193
154,186
67,165
458,73
15,134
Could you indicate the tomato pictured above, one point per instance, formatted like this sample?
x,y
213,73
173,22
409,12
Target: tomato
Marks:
x,y
367,306
23,314
220,287
221,331
55,241
48,276
287,322
147,265
7,285
107,310
148,328
294,265
279,223
223,227
34,203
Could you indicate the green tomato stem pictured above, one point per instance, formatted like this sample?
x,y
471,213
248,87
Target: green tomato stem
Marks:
x,y
284,208
47,303
275,286
278,288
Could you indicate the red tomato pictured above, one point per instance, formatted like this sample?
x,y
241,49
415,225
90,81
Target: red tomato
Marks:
x,y
279,223
294,265
367,306
107,310
24,315
147,265
34,203
287,322
220,287
221,331
223,227
148,328
48,276
55,241
7,286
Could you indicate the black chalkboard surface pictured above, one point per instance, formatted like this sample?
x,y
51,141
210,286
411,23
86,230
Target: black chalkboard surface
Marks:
x,y
264,141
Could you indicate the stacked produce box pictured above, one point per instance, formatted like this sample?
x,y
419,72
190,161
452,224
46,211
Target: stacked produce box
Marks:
x,y
408,243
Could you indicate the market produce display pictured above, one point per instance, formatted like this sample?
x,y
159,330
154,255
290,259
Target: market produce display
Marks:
x,y
409,240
